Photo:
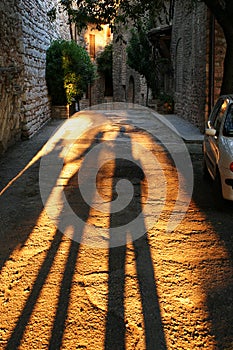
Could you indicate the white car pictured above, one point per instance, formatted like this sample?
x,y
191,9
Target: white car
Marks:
x,y
218,146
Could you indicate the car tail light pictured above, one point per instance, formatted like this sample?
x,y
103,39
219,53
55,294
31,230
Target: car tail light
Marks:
x,y
231,166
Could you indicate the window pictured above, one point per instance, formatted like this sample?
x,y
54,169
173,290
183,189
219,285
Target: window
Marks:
x,y
219,115
228,125
108,32
92,45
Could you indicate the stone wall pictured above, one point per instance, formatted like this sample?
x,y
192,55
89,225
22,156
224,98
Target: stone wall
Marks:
x,y
188,48
219,55
96,93
128,85
198,51
11,74
25,35
215,62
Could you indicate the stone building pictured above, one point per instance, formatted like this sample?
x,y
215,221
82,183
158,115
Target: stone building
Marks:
x,y
197,50
128,85
95,42
25,35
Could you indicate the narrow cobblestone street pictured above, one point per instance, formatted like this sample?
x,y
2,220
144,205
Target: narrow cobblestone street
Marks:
x,y
80,284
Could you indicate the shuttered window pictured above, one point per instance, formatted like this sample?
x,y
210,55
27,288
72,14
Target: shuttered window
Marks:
x,y
92,45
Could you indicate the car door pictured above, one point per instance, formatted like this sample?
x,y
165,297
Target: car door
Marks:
x,y
215,122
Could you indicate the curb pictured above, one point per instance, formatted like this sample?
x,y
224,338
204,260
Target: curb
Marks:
x,y
192,138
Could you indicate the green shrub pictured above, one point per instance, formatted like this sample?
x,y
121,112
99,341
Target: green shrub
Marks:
x,y
104,61
104,66
69,70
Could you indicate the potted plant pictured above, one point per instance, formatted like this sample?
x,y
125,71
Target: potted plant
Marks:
x,y
166,103
69,70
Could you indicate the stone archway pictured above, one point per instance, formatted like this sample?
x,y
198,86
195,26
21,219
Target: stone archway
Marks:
x,y
131,90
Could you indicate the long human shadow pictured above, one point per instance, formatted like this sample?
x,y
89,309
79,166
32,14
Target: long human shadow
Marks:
x,y
115,337
17,334
20,202
81,209
115,332
74,197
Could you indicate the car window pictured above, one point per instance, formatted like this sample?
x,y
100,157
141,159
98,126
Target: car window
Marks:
x,y
214,113
228,125
219,115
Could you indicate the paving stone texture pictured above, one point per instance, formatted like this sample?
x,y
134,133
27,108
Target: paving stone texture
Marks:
x,y
63,287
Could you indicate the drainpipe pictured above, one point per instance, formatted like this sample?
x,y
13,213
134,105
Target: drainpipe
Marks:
x,y
90,96
211,62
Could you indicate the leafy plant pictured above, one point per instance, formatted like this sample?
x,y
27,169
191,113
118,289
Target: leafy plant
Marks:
x,y
97,13
167,102
73,87
69,70
140,57
82,12
104,61
104,66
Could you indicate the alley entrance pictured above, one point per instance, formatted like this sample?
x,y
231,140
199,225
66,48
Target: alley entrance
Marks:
x,y
111,239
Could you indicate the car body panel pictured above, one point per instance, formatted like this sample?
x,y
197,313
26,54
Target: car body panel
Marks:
x,y
218,144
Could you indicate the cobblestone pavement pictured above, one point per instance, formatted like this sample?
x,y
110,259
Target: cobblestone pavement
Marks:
x,y
63,287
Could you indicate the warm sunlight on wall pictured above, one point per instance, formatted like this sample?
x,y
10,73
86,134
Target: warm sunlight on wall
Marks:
x,y
97,40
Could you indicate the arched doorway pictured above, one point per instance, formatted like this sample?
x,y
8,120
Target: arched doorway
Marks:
x,y
131,90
